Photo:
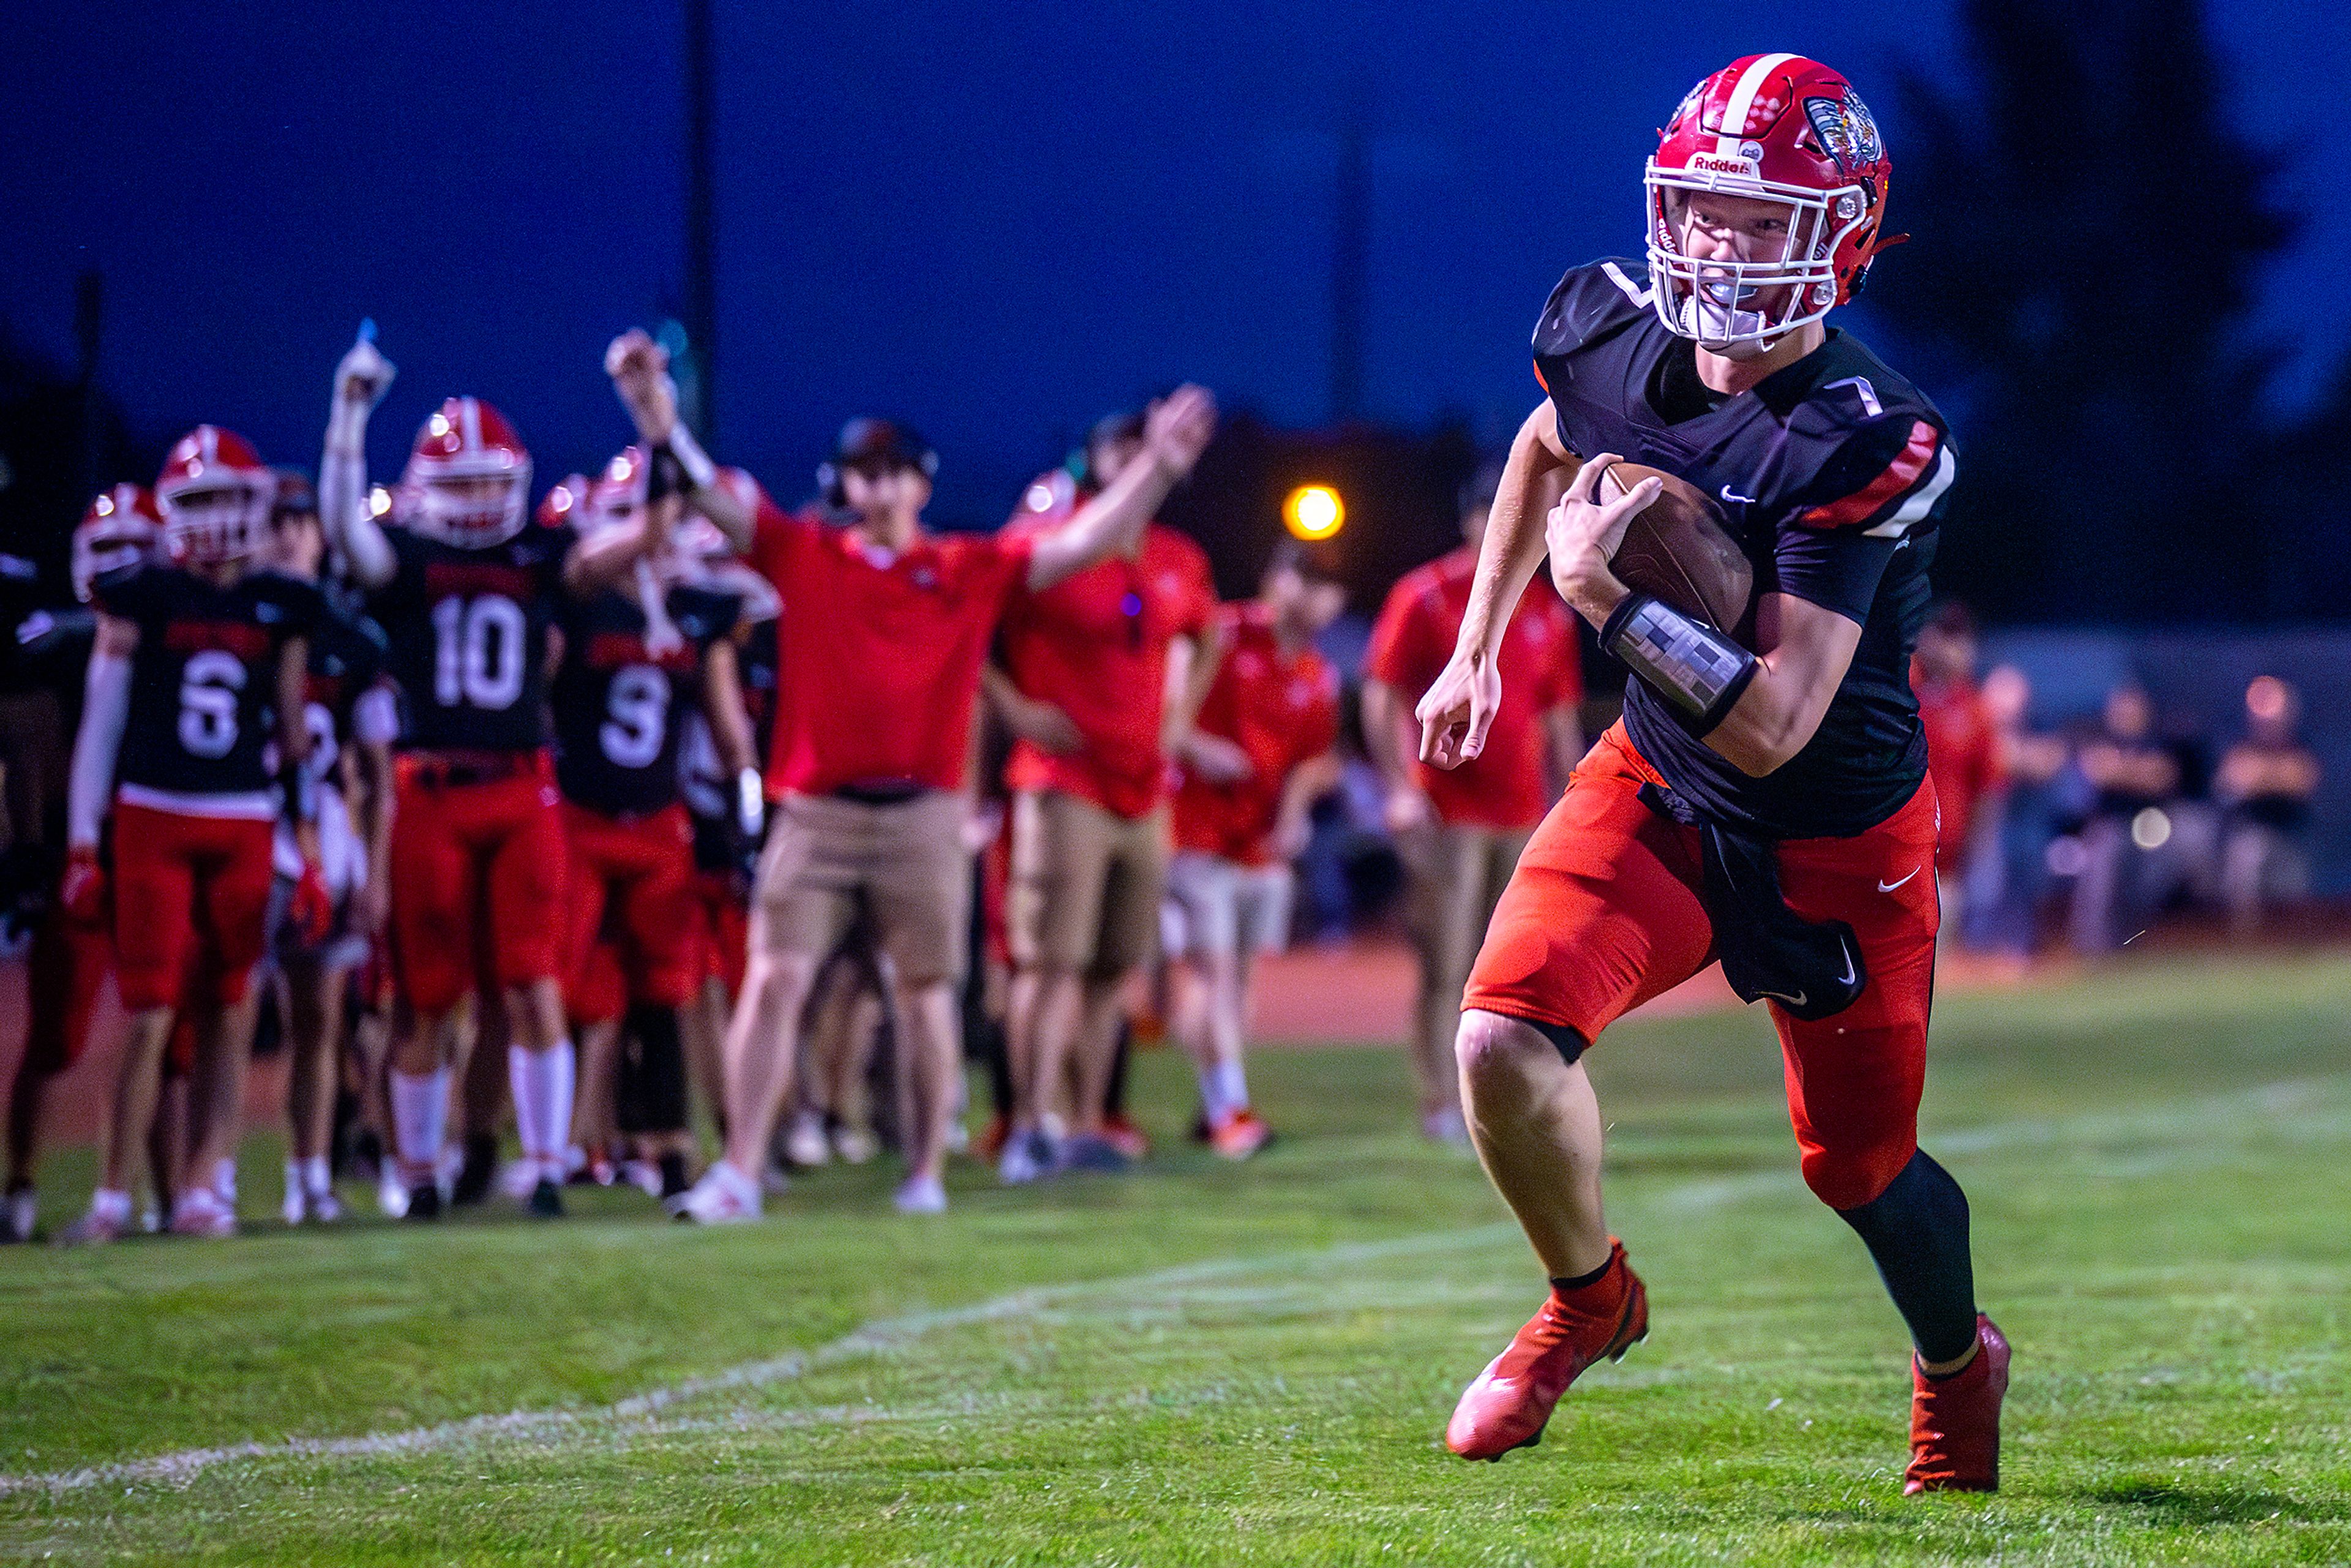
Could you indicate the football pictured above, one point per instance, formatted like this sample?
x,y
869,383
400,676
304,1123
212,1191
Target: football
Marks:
x,y
1680,549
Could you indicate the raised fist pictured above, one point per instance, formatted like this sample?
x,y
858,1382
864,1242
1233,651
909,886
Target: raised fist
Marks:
x,y
363,376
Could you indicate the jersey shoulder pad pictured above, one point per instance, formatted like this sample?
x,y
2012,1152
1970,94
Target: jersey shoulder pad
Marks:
x,y
294,606
135,591
1882,475
703,614
1592,300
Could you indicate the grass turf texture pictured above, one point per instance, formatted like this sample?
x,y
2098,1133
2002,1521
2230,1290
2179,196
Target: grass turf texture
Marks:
x,y
1208,1364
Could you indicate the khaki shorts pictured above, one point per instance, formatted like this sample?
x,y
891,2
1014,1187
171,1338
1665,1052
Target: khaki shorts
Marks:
x,y
902,866
1218,907
1086,884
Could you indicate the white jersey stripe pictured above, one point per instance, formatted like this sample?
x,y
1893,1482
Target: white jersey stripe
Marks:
x,y
1922,500
1743,97
1639,296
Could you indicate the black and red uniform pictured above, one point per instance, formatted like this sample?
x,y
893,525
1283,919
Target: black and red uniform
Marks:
x,y
621,695
344,700
477,854
195,805
1831,472
722,882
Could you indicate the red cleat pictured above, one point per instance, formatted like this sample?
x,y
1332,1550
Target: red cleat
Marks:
x,y
1955,1420
1513,1399
1124,1135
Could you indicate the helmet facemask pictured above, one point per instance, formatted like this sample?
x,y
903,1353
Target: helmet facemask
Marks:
x,y
210,523
1738,307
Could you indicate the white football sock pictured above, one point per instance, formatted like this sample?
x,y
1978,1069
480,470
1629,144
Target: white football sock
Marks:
x,y
317,1176
224,1180
1232,1087
1211,1098
543,1082
420,1116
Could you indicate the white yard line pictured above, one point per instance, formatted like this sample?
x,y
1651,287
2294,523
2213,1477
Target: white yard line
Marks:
x,y
884,1335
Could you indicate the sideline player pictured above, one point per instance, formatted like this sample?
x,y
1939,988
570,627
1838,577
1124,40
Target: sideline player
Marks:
x,y
71,951
196,657
637,657
352,720
1260,753
1460,832
466,588
1769,806
1113,651
883,631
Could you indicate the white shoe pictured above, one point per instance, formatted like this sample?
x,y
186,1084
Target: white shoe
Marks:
x,y
805,1145
516,1178
921,1195
855,1145
326,1208
724,1195
23,1214
295,1207
959,1136
391,1192
643,1175
1028,1155
200,1211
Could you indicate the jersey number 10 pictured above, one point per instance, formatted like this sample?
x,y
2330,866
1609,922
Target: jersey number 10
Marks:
x,y
478,646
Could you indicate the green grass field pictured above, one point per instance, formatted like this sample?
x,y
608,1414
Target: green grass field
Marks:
x,y
1212,1364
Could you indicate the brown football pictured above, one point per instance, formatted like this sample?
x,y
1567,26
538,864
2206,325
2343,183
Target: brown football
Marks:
x,y
1680,549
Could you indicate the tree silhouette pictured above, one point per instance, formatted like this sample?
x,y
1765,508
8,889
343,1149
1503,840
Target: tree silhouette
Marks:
x,y
2091,229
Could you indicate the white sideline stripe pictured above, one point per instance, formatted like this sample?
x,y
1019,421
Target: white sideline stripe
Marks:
x,y
878,1337
2264,1100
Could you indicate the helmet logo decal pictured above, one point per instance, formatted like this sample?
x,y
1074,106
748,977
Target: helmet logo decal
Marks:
x,y
1847,129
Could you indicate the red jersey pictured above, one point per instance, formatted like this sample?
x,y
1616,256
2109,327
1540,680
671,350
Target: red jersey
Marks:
x,y
1503,787
1095,646
1282,711
1962,758
881,650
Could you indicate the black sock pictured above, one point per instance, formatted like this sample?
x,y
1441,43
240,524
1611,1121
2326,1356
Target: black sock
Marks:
x,y
1114,1097
1917,1230
1582,1280
672,1175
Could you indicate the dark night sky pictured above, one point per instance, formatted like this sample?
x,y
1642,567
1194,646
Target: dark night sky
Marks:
x,y
994,221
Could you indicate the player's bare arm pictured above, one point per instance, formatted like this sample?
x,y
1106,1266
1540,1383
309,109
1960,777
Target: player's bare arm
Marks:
x,y
294,746
1174,433
1803,650
639,370
1457,712
353,532
1031,719
1308,782
604,556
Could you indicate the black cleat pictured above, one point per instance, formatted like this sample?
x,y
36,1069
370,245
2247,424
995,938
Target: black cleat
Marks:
x,y
479,1168
546,1200
423,1202
672,1177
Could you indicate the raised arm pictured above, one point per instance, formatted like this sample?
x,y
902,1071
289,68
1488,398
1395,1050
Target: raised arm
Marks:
x,y
639,370
608,555
353,532
1174,433
1459,708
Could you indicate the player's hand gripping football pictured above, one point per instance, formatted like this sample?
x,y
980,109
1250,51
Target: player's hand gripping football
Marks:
x,y
1583,536
639,370
1178,428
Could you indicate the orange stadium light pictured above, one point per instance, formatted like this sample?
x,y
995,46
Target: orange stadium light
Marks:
x,y
1314,512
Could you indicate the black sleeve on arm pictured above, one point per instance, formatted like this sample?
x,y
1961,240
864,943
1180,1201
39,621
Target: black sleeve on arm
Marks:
x,y
1836,568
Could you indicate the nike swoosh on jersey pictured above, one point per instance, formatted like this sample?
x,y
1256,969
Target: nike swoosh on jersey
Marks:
x,y
1743,500
1796,1000
1890,887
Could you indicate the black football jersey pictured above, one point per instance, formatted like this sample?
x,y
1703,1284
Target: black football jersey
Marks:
x,y
204,681
620,706
468,634
347,651
1833,474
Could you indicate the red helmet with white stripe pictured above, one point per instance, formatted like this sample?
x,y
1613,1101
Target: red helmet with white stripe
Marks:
x,y
1768,128
121,526
468,478
564,503
619,493
213,497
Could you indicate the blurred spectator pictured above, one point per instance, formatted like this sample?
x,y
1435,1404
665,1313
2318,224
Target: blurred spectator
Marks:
x,y
2125,872
1963,752
2266,784
2010,883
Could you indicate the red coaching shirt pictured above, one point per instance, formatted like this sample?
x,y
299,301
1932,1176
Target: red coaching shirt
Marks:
x,y
1504,786
1962,758
882,651
1095,646
1281,711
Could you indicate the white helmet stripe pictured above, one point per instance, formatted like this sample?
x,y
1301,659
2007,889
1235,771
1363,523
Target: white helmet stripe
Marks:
x,y
1743,97
469,423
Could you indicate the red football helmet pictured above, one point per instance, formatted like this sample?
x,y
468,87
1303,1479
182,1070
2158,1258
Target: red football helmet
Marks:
x,y
468,478
121,526
618,495
213,496
1774,128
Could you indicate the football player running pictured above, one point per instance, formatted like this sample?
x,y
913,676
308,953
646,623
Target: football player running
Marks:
x,y
638,656
885,630
197,656
1765,798
466,589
